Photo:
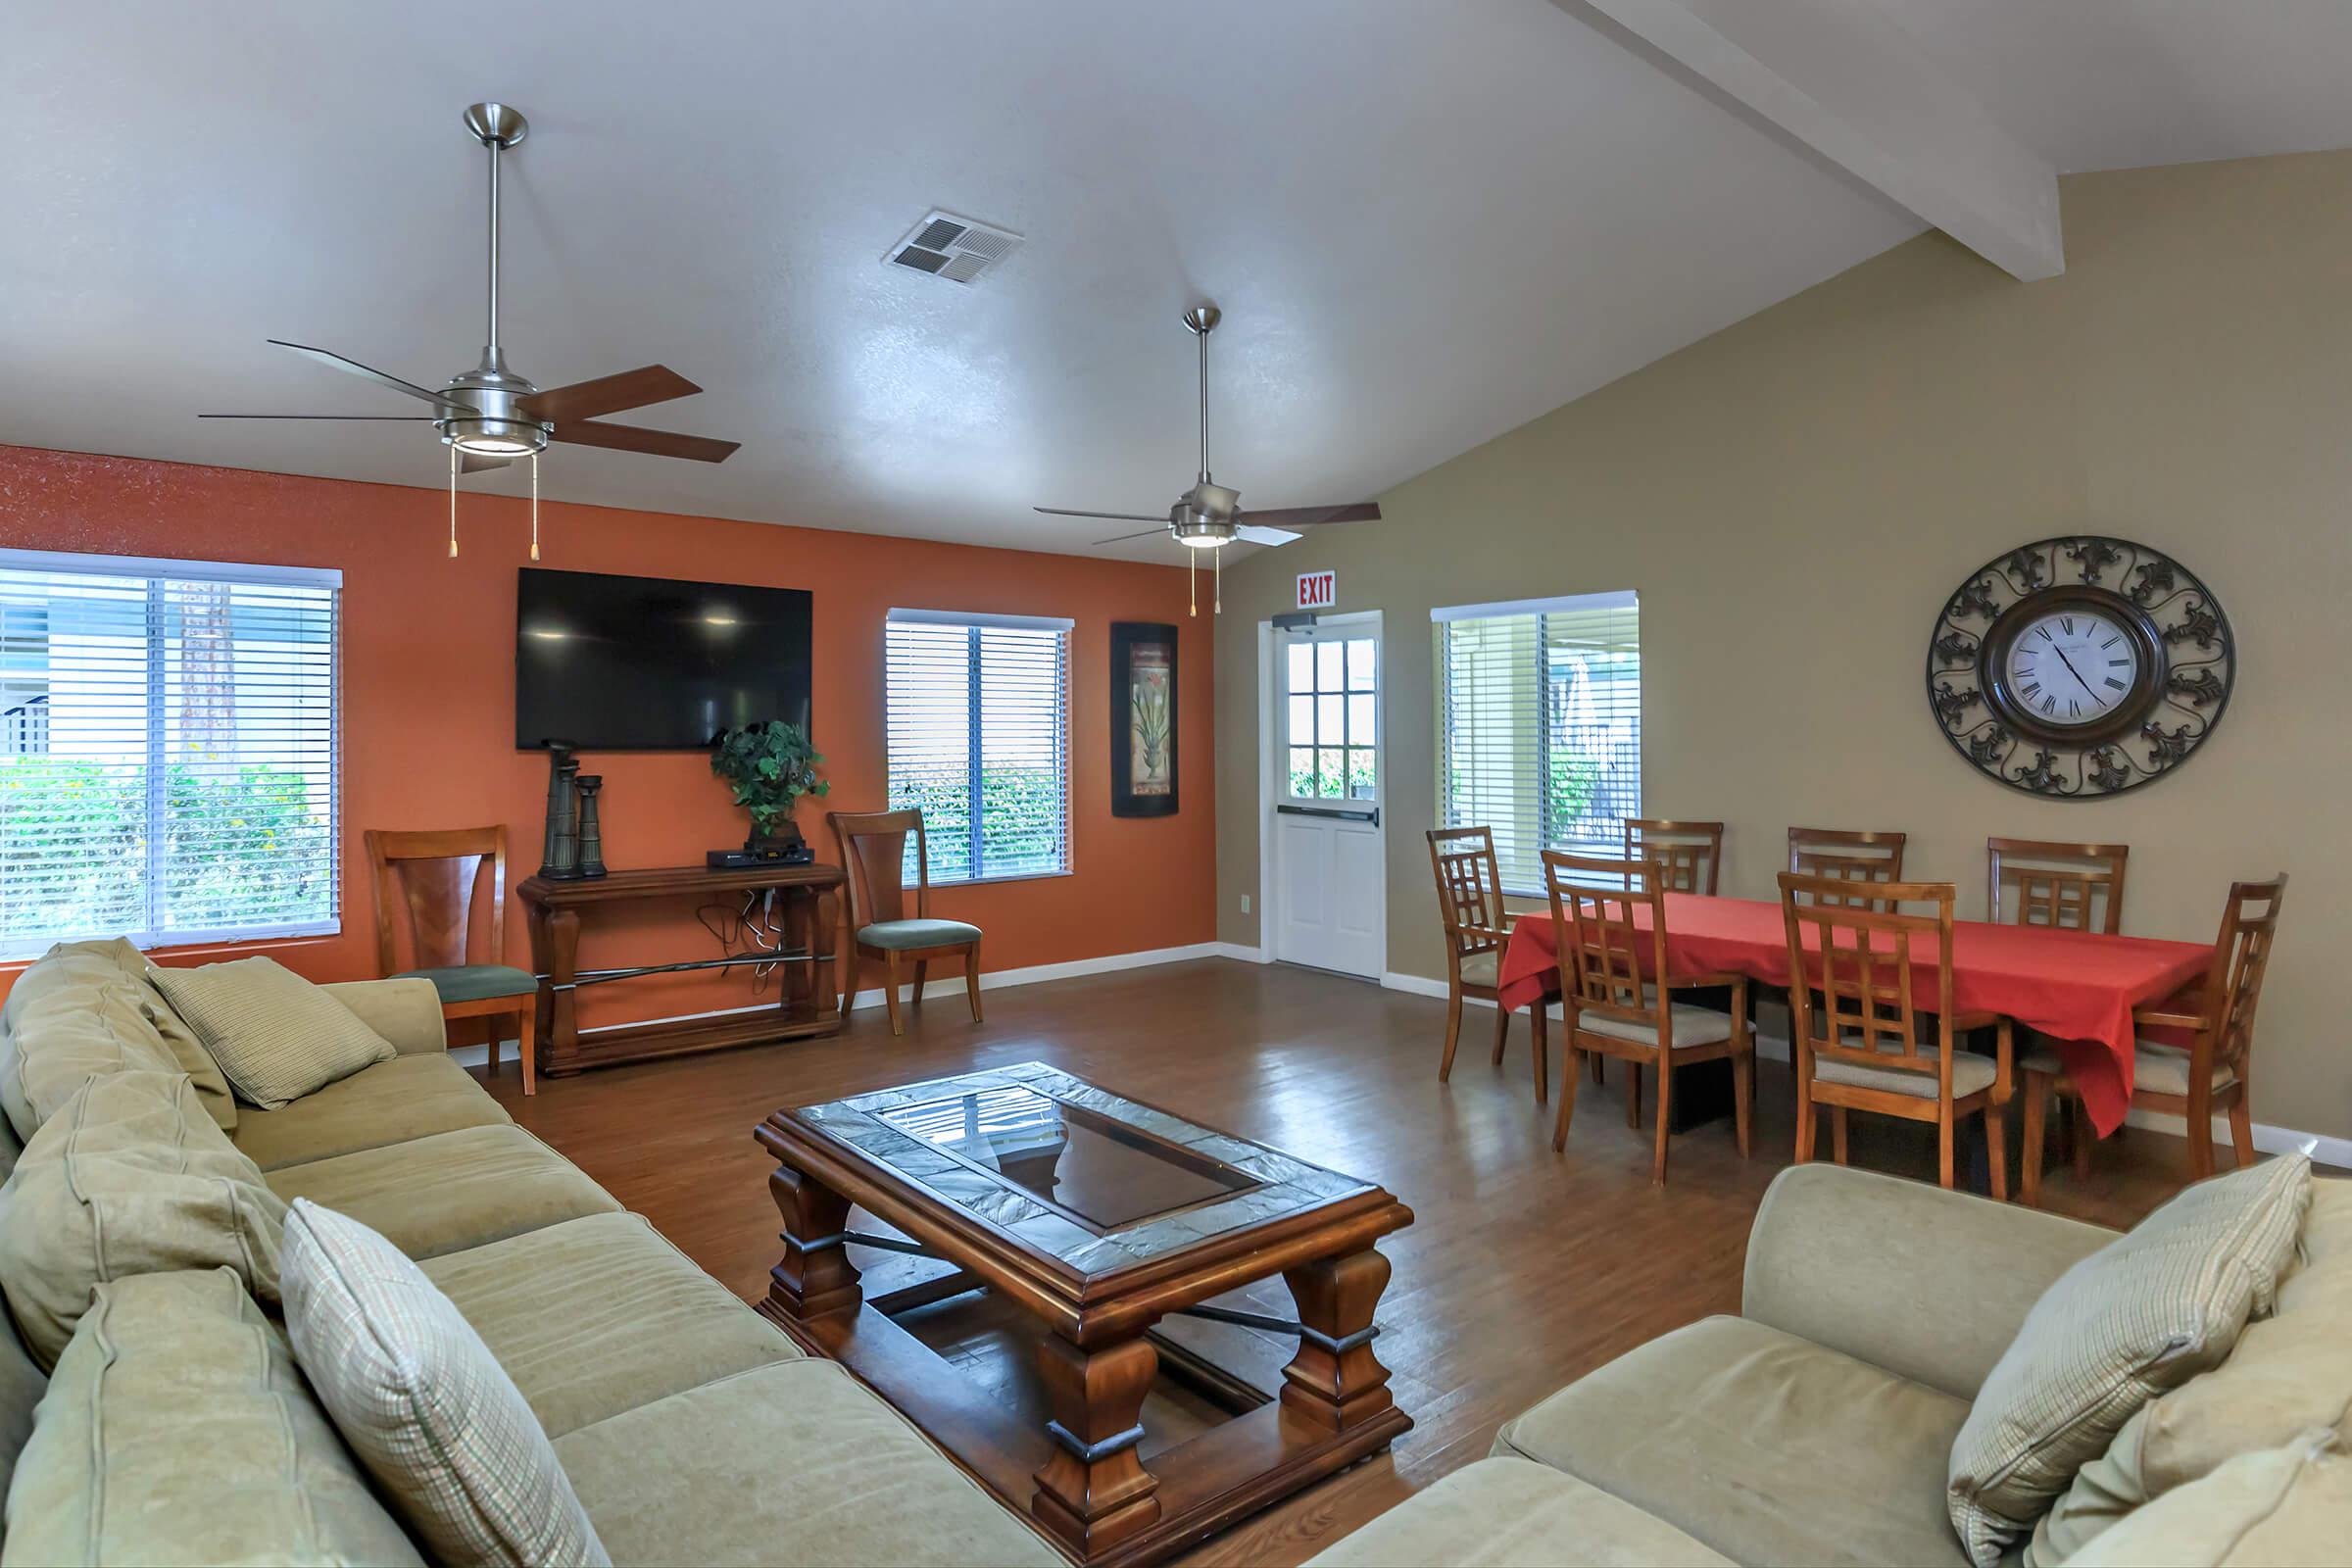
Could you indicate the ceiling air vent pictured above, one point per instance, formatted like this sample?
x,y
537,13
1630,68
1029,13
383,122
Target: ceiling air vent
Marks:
x,y
954,248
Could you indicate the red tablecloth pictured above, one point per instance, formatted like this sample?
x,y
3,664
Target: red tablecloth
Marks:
x,y
2078,986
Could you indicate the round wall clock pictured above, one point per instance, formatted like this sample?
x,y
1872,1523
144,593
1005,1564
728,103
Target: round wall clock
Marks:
x,y
2080,666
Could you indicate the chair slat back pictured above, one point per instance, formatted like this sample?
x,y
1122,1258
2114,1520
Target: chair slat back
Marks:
x,y
1602,947
1469,887
1861,960
1850,856
435,873
1689,854
873,861
2241,954
2074,887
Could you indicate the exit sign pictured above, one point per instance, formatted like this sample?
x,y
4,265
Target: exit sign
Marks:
x,y
1318,590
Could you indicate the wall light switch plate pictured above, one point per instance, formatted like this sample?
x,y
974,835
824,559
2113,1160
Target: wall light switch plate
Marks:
x,y
1245,904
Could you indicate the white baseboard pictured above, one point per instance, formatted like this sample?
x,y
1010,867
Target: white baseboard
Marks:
x,y
1241,954
997,979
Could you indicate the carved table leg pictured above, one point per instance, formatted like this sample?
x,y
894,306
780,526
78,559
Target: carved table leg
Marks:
x,y
816,1275
1095,1491
1336,1380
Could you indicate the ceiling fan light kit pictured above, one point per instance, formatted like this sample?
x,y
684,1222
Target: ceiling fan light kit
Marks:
x,y
492,414
1210,517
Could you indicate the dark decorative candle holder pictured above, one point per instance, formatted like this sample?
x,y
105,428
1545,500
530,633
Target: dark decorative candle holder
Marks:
x,y
591,830
560,860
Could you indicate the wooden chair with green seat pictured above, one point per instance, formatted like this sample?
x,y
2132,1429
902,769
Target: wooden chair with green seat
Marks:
x,y
438,872
873,859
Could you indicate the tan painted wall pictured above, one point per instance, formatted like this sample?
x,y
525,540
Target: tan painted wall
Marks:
x,y
1795,497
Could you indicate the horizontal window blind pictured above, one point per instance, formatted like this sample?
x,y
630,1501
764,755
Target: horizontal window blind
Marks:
x,y
1539,726
979,741
168,764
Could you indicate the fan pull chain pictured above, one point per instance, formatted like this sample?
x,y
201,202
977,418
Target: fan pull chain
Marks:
x,y
535,506
1192,577
1217,561
452,501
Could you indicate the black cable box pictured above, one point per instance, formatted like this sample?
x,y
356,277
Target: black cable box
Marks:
x,y
748,860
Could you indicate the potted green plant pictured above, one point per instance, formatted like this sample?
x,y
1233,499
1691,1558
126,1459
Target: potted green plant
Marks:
x,y
769,766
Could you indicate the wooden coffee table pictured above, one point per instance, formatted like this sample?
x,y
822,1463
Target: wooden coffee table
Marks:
x,y
1098,1217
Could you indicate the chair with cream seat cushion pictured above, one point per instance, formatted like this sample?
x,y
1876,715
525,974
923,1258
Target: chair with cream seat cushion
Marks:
x,y
1614,992
1862,974
2193,1081
1470,908
873,858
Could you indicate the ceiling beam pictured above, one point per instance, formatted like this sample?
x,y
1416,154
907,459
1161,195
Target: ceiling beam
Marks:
x,y
1844,80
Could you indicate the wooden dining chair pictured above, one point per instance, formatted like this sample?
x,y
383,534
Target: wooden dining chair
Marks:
x,y
436,874
2210,1074
1689,854
1616,993
873,860
1470,906
1860,1045
2073,887
1841,854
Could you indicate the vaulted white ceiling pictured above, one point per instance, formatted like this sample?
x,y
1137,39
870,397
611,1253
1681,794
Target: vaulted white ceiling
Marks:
x,y
1426,223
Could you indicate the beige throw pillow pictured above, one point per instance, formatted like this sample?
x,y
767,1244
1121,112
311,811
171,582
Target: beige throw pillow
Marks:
x,y
2265,1509
274,1033
2144,1314
177,1430
128,1177
419,1398
2287,1374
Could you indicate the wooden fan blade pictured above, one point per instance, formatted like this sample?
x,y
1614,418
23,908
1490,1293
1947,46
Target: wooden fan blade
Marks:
x,y
337,361
1108,516
1307,517
653,443
1122,538
608,394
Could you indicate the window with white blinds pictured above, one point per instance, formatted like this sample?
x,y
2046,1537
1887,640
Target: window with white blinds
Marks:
x,y
1540,725
167,751
979,741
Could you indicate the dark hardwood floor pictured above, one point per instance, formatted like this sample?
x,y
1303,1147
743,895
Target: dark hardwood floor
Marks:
x,y
1525,1269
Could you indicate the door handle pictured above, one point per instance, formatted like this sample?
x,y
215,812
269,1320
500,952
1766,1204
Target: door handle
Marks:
x,y
1369,813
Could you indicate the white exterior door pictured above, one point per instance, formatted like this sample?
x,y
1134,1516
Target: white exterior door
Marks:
x,y
1329,881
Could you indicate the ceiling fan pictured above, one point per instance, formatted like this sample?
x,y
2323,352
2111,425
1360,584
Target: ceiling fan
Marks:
x,y
1208,515
490,416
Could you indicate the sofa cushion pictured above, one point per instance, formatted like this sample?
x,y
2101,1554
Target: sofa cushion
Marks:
x,y
390,1102
276,1035
128,1177
23,1383
212,1088
177,1430
2143,1315
424,1403
638,1321
2288,1373
2282,1505
449,1190
1508,1513
795,1463
69,1015
1765,1446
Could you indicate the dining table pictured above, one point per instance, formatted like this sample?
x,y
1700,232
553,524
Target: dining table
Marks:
x,y
2079,987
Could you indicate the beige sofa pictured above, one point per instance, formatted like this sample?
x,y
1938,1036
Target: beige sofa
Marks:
x,y
692,1430
1816,1427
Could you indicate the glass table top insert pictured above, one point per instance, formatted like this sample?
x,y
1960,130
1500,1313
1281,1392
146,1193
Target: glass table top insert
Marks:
x,y
1073,1170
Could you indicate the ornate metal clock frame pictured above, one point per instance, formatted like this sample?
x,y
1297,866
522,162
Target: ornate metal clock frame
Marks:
x,y
2182,655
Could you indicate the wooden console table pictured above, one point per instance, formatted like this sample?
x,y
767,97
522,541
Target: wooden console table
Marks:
x,y
805,1001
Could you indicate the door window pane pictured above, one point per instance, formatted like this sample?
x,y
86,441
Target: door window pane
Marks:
x,y
1328,669
1359,720
1362,783
1362,663
1302,667
1331,720
1302,721
1302,771
1330,767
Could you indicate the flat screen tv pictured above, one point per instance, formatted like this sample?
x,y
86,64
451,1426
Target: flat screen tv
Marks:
x,y
651,664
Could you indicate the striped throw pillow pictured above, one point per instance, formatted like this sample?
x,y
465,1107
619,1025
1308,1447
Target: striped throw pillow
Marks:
x,y
2140,1316
424,1403
277,1036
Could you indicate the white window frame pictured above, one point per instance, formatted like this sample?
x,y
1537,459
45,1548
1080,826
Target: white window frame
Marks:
x,y
1066,627
1556,605
147,567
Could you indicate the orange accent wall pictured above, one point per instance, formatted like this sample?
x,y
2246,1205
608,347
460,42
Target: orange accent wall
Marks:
x,y
429,696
